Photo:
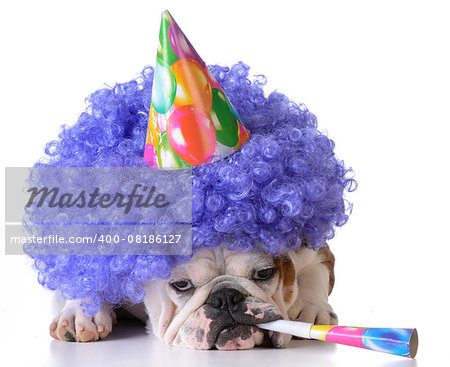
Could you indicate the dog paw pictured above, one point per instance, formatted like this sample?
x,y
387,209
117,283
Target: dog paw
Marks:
x,y
71,324
319,314
279,340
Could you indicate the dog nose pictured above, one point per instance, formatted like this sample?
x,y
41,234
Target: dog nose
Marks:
x,y
226,298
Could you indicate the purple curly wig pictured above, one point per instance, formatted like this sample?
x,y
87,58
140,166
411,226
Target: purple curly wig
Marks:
x,y
285,185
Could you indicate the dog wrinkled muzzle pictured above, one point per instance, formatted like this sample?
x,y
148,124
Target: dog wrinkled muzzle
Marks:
x,y
228,320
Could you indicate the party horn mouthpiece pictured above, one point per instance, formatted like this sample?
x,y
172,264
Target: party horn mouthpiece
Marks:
x,y
402,342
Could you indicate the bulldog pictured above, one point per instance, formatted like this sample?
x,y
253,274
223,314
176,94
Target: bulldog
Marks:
x,y
218,298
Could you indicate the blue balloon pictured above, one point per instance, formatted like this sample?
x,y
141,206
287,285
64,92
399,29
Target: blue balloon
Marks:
x,y
164,88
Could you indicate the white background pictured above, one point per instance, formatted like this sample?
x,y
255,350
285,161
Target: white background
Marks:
x,y
376,74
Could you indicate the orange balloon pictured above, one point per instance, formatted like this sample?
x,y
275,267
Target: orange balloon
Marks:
x,y
193,86
244,134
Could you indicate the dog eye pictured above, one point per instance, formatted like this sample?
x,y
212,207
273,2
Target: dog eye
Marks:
x,y
182,285
264,274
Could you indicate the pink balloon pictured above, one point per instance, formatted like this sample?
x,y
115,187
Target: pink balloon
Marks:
x,y
150,156
192,135
181,45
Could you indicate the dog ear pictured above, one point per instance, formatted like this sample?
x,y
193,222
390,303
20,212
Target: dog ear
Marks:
x,y
314,282
326,257
289,275
288,279
328,260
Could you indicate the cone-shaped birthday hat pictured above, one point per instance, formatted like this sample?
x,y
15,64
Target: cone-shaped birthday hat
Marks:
x,y
191,120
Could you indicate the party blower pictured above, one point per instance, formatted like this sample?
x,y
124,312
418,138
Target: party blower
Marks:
x,y
402,342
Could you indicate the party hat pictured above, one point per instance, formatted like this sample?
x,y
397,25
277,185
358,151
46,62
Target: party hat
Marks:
x,y
191,120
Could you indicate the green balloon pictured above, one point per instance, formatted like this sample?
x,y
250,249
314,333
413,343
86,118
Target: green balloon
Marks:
x,y
225,122
165,55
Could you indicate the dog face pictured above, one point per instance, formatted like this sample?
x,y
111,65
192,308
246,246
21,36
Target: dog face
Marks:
x,y
219,297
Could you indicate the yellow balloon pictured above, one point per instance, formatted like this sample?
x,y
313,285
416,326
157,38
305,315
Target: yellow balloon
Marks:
x,y
153,129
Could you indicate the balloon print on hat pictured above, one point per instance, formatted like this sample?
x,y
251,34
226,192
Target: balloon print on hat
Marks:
x,y
181,45
225,122
166,157
192,135
164,88
193,86
153,131
165,54
191,120
244,134
151,156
